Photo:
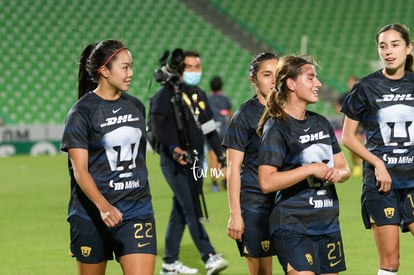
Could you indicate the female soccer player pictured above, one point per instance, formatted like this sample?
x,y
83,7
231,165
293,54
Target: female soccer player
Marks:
x,y
383,104
110,208
300,158
249,207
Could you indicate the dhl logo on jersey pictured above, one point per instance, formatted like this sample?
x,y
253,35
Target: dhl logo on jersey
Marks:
x,y
395,97
118,120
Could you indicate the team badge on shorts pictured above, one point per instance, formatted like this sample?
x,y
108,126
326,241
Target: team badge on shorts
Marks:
x,y
309,258
86,251
389,212
265,245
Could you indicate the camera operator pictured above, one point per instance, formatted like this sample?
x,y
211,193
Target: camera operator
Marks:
x,y
182,121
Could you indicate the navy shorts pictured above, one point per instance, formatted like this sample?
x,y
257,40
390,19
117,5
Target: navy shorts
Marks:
x,y
319,254
256,240
395,207
94,243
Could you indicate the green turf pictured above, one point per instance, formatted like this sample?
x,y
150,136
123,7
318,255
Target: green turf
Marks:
x,y
34,233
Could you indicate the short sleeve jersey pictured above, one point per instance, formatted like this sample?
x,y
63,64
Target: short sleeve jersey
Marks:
x,y
385,109
220,106
241,135
113,132
288,144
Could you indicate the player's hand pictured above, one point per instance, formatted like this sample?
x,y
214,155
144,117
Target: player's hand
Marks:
x,y
319,170
383,178
332,176
235,227
111,216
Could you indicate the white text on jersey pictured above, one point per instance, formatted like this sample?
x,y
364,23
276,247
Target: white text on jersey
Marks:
x,y
398,160
321,203
395,97
117,186
118,120
312,137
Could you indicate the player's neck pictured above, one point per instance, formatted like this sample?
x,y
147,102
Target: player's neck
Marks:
x,y
295,112
393,74
107,94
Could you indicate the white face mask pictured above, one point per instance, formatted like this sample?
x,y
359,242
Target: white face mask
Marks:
x,y
191,78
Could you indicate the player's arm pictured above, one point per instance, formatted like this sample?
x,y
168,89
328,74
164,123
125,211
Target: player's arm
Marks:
x,y
79,159
235,226
340,172
271,179
351,141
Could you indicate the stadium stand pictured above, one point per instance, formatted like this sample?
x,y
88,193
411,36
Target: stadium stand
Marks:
x,y
41,42
340,34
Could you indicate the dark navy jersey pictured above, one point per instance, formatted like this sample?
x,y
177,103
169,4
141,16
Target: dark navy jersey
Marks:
x,y
221,107
196,112
114,134
288,144
385,109
241,136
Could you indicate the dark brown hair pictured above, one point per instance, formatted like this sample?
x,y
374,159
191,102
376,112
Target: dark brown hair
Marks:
x,y
289,66
92,58
257,60
405,34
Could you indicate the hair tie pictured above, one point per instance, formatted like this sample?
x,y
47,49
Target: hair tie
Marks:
x,y
109,58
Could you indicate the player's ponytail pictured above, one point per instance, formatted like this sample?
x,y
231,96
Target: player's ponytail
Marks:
x,y
273,109
85,83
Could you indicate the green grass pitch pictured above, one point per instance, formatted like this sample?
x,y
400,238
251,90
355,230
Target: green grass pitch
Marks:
x,y
34,236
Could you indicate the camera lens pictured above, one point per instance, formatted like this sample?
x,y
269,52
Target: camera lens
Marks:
x,y
177,58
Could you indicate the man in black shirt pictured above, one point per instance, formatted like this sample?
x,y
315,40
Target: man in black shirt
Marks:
x,y
182,121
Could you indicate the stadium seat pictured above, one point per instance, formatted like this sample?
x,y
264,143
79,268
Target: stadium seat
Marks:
x,y
42,40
